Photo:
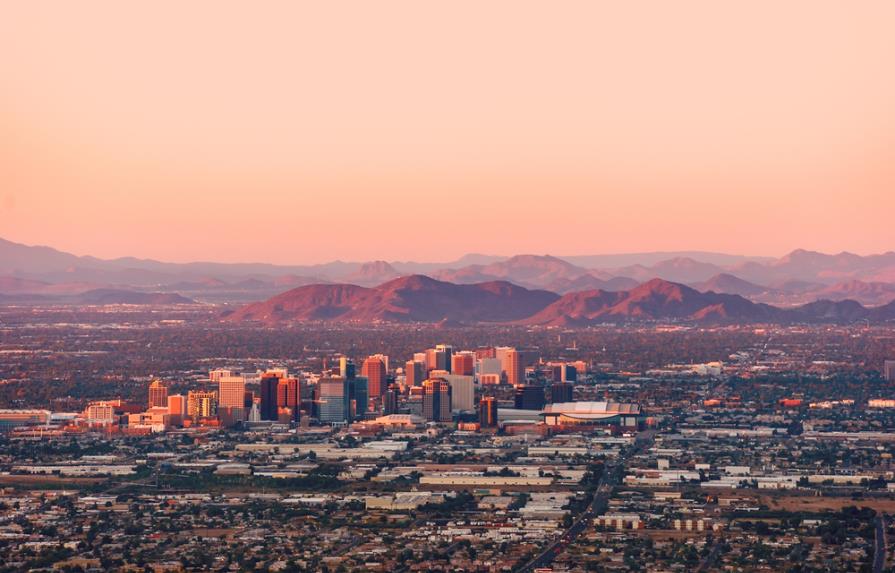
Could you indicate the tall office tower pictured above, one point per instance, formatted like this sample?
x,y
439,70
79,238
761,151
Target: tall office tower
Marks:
x,y
501,354
488,412
248,399
158,394
278,372
334,407
561,392
443,355
529,397
347,369
430,359
269,384
202,404
420,357
384,359
282,388
218,373
488,366
374,371
415,401
289,397
414,372
889,370
463,363
254,413
437,400
462,392
485,352
231,397
554,372
569,373
307,400
177,409
390,401
358,397
514,367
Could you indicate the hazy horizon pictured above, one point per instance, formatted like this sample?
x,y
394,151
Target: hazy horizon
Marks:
x,y
454,258
402,131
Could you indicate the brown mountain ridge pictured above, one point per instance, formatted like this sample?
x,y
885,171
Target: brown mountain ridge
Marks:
x,y
418,298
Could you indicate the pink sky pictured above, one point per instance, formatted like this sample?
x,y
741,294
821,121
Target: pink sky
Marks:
x,y
301,132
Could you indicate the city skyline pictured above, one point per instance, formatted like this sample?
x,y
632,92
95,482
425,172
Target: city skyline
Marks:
x,y
247,134
485,287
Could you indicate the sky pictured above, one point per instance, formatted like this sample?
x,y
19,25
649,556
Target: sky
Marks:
x,y
301,132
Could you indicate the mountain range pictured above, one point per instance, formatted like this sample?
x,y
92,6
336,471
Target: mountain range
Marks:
x,y
793,280
419,298
415,298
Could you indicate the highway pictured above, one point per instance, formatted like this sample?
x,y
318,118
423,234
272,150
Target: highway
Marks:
x,y
710,559
611,477
879,545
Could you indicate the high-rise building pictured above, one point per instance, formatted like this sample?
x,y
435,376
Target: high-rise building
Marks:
x,y
231,391
443,356
462,392
437,400
374,371
158,394
514,367
414,372
177,405
347,369
485,352
463,363
500,353
569,373
288,398
100,412
486,366
430,359
333,402
488,412
278,372
358,397
889,370
415,401
218,373
561,392
231,398
554,372
529,397
202,404
390,401
269,383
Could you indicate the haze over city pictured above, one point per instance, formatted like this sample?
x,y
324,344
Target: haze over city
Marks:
x,y
301,133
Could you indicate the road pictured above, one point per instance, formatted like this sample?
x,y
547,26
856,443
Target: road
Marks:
x,y
879,545
613,473
709,561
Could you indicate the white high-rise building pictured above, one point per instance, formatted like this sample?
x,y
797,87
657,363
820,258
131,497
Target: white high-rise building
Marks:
x,y
462,391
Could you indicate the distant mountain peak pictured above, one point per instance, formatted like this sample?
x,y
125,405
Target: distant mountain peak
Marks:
x,y
413,298
376,267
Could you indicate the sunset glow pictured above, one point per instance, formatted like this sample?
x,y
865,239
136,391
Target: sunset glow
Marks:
x,y
306,132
